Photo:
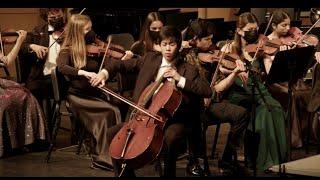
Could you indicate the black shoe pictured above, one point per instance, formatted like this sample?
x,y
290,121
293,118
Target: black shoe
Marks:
x,y
195,170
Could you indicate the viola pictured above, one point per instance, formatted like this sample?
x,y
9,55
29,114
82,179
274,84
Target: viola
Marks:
x,y
140,140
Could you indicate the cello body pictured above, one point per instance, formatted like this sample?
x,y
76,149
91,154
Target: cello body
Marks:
x,y
140,140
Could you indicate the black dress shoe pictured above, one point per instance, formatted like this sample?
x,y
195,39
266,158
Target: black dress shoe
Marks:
x,y
195,170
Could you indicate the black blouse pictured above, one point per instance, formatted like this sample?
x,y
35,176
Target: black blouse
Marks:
x,y
79,85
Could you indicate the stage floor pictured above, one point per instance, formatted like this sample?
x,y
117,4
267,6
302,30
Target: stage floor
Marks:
x,y
66,163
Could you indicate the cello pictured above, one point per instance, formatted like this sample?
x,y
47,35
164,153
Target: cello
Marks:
x,y
140,140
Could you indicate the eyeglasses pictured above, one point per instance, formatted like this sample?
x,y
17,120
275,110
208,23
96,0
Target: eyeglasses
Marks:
x,y
54,17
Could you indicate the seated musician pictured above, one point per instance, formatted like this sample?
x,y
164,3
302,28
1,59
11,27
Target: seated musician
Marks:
x,y
202,32
93,109
170,65
149,36
314,103
269,116
38,59
280,25
22,121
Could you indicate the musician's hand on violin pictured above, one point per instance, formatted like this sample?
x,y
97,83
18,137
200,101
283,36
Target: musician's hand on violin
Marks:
x,y
128,55
317,55
98,80
41,51
185,44
172,73
225,70
239,67
284,48
157,47
22,35
240,71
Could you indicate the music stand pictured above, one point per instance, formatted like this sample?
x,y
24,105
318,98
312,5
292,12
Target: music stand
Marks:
x,y
290,65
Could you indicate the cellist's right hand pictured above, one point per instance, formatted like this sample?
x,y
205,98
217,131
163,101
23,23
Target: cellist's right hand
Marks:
x,y
41,51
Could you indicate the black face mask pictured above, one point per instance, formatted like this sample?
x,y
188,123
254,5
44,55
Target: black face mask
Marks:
x,y
155,36
57,24
90,37
251,36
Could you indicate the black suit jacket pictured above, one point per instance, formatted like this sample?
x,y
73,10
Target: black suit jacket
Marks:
x,y
31,67
194,90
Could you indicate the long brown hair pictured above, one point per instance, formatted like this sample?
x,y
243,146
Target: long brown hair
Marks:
x,y
145,32
278,17
74,39
242,21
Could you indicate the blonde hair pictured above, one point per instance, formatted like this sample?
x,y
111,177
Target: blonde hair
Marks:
x,y
74,39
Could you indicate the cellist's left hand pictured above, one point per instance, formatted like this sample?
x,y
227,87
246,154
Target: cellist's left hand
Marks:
x,y
172,73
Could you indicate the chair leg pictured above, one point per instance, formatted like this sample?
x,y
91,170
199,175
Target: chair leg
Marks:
x,y
56,116
306,143
205,156
215,141
158,165
82,136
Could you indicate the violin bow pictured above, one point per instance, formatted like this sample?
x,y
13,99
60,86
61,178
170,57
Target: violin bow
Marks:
x,y
302,37
105,53
214,78
265,32
63,31
1,44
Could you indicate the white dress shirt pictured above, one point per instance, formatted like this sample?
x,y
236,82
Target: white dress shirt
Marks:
x,y
53,51
164,66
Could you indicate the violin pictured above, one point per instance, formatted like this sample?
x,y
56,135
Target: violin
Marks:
x,y
58,35
98,49
265,45
297,38
10,36
209,56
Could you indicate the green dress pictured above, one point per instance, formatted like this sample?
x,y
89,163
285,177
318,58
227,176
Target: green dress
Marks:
x,y
270,125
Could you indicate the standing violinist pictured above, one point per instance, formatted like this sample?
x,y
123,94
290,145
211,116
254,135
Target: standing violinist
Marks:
x,y
280,26
38,59
269,116
170,65
201,31
92,108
